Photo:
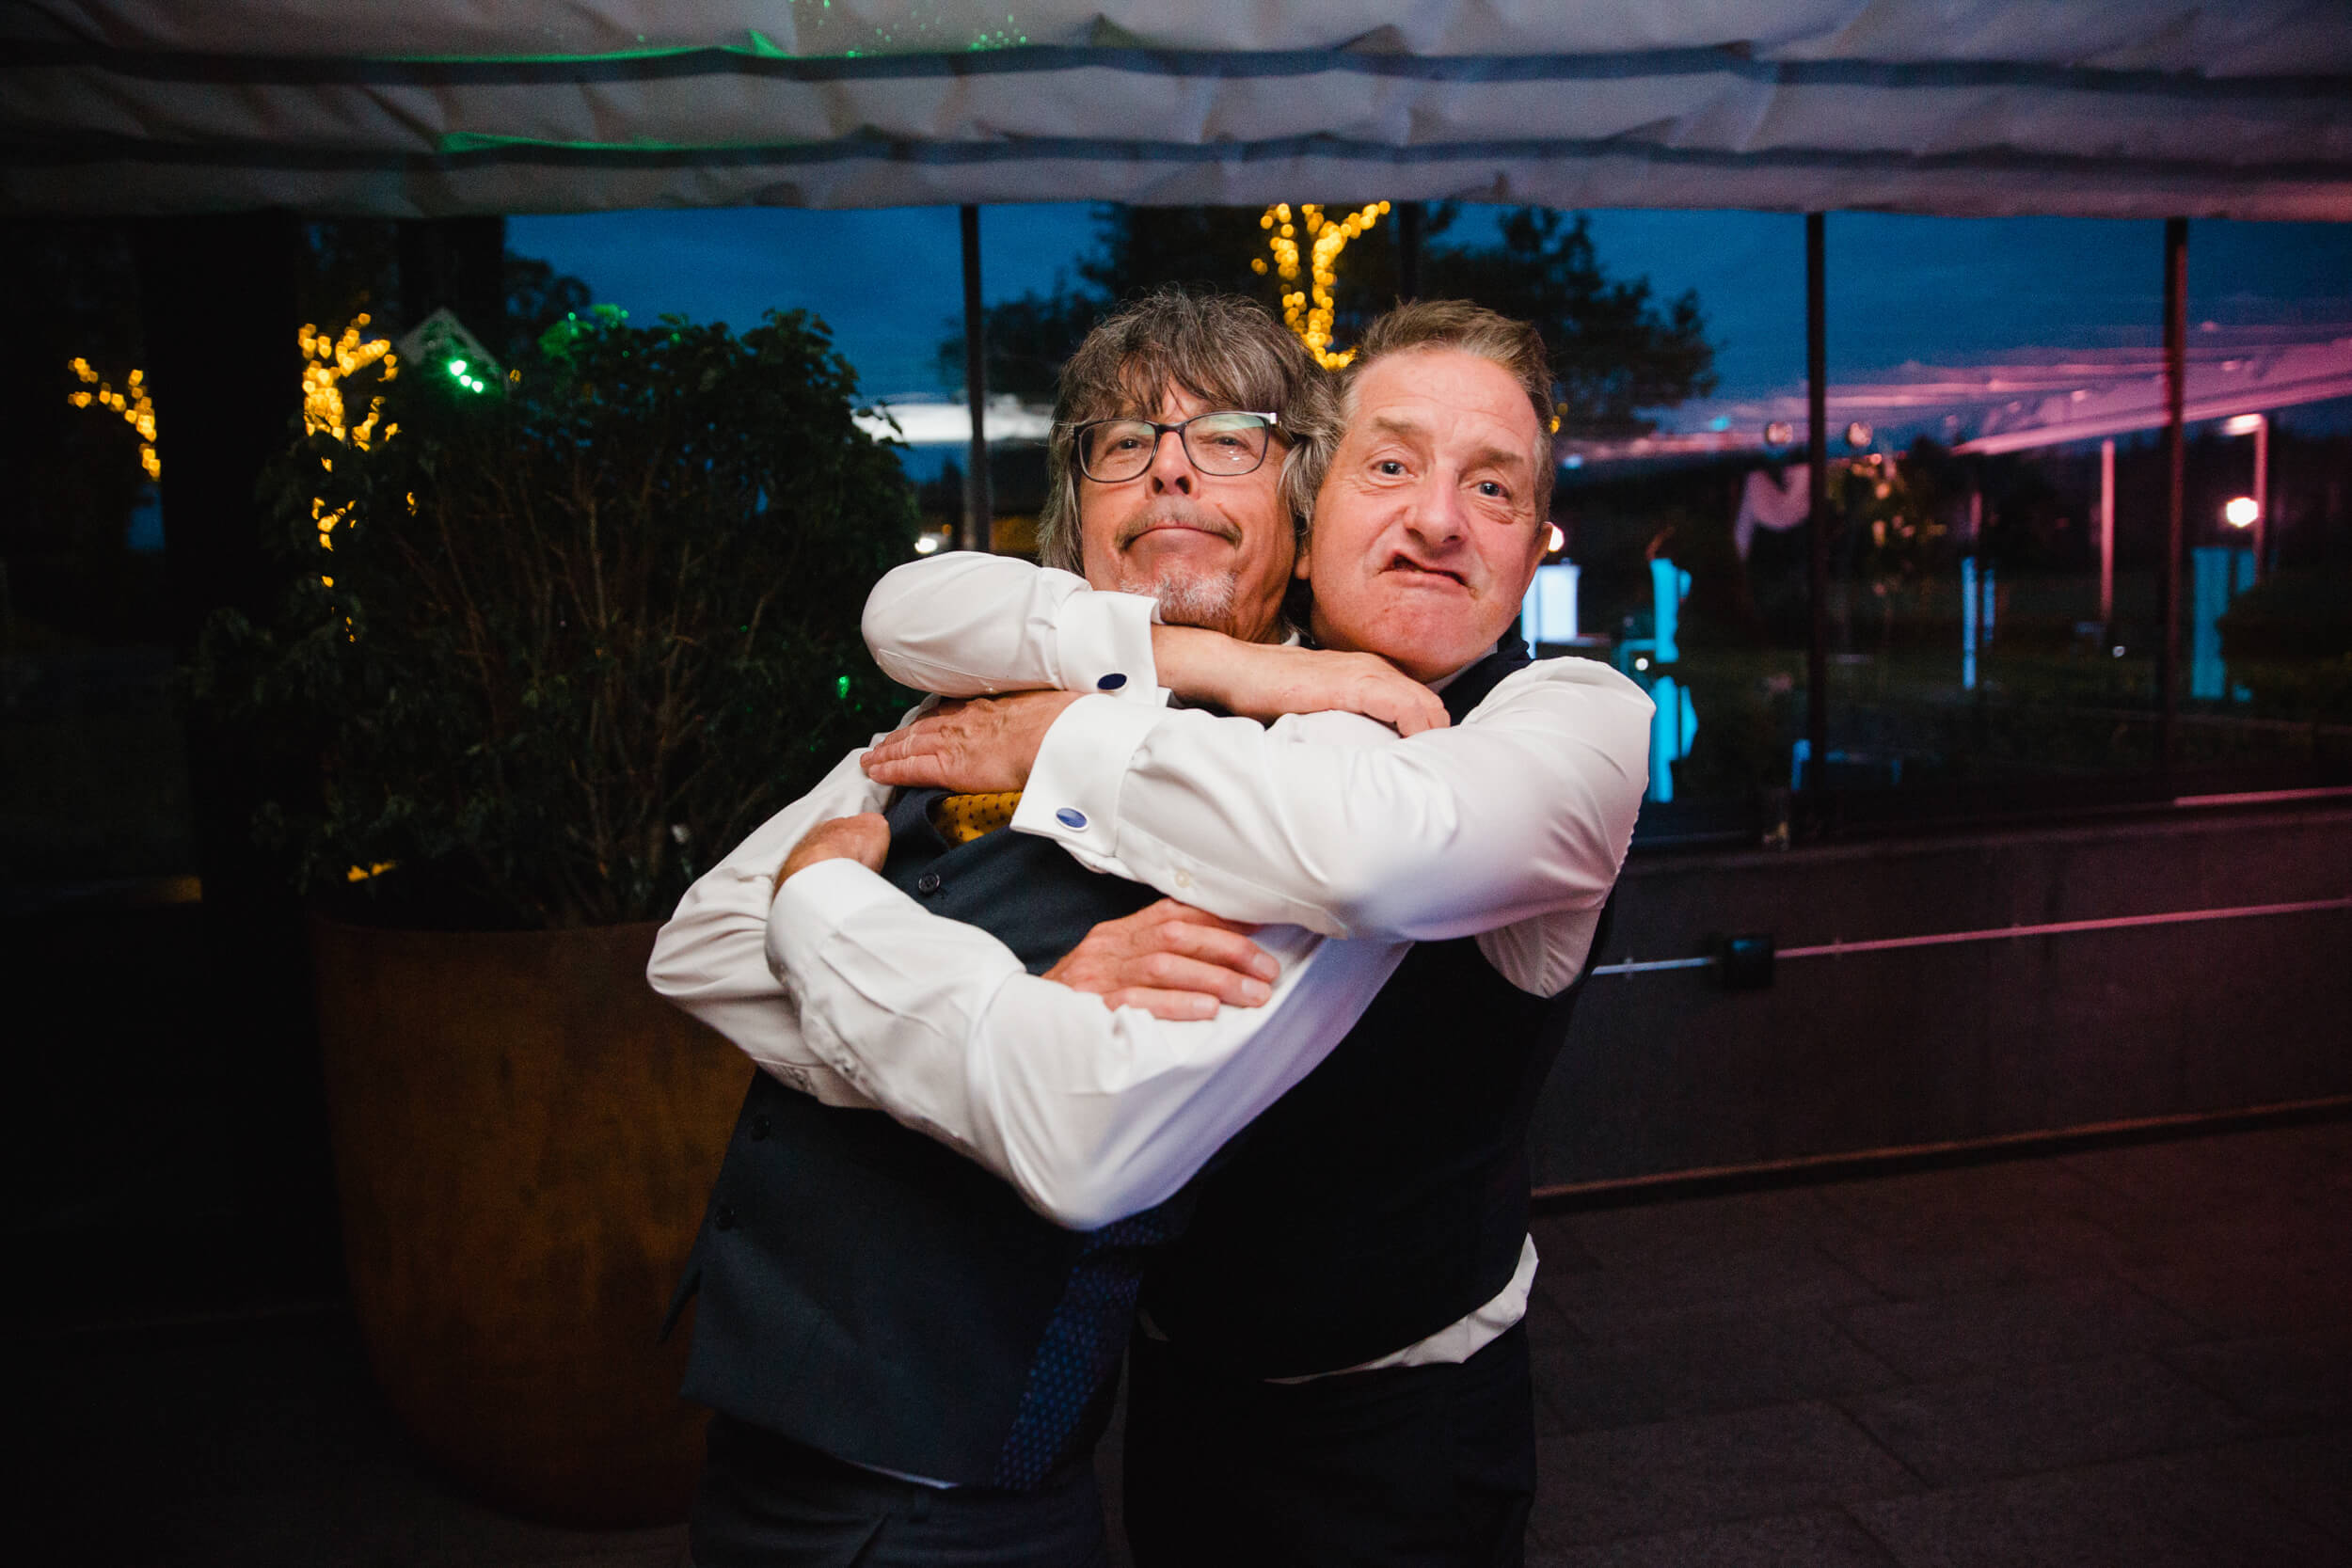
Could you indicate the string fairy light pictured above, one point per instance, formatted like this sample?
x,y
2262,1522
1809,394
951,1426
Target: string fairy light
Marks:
x,y
327,362
132,403
1310,311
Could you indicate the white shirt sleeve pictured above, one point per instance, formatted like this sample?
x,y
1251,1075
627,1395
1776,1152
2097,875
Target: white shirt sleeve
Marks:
x,y
1090,1114
1522,811
711,959
964,624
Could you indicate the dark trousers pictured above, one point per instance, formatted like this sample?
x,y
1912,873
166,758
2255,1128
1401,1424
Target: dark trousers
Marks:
x,y
1419,1466
768,1502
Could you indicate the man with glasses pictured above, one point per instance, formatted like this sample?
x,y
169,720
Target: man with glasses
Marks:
x,y
1093,1115
908,1363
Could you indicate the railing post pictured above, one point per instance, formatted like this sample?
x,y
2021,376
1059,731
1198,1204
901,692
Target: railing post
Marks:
x,y
2176,474
1817,478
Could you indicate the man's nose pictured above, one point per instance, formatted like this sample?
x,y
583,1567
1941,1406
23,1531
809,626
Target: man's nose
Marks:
x,y
1439,517
1171,468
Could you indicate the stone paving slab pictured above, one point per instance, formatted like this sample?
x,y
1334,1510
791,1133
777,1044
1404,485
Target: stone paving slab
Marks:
x,y
2281,1380
2311,1474
1695,1368
2037,1323
1825,1540
2169,1512
1602,1486
2048,1418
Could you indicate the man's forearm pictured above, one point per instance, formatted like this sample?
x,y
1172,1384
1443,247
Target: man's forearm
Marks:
x,y
711,958
1090,1112
967,626
1326,822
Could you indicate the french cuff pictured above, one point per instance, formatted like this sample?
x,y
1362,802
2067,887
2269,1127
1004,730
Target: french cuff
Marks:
x,y
1103,644
813,903
1073,793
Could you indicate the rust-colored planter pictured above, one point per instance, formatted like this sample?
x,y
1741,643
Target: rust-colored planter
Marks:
x,y
524,1138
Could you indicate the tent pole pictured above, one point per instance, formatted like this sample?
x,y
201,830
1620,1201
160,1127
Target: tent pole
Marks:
x,y
980,507
2176,474
1817,480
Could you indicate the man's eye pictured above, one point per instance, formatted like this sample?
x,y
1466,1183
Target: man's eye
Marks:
x,y
1389,467
1493,489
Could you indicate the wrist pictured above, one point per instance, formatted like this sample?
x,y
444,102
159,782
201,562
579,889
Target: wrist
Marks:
x,y
1194,662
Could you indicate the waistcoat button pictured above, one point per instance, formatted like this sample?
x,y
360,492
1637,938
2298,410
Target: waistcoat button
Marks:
x,y
928,883
760,1125
724,1218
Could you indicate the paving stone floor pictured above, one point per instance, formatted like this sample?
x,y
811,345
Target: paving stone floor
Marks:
x,y
2139,1355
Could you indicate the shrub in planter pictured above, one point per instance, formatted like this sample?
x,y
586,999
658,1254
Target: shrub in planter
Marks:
x,y
559,640
556,643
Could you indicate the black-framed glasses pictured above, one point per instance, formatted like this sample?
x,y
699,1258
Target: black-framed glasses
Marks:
x,y
1226,442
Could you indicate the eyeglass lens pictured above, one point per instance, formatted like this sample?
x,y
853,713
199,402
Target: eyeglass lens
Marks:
x,y
1219,443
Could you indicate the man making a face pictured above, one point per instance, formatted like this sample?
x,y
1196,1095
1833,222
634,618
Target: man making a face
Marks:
x,y
968,1046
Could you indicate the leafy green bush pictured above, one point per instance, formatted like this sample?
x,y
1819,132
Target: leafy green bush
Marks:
x,y
578,632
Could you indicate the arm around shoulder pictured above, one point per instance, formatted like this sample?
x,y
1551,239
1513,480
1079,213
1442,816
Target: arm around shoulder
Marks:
x,y
1326,822
966,624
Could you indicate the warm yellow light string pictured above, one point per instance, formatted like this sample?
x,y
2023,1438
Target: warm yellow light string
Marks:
x,y
1310,311
327,362
132,403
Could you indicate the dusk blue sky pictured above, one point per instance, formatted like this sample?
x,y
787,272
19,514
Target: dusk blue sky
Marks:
x,y
887,280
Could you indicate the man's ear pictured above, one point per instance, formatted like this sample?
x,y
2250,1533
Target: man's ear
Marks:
x,y
1303,564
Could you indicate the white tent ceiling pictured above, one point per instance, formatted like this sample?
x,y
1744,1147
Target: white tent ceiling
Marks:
x,y
2122,108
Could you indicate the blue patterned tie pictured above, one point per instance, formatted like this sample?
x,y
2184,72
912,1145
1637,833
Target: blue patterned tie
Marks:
x,y
1078,1358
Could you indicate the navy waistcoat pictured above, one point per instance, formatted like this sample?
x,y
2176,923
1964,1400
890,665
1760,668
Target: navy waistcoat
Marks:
x,y
1384,1197
870,1293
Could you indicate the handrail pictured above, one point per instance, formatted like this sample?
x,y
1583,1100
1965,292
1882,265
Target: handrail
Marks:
x,y
1839,947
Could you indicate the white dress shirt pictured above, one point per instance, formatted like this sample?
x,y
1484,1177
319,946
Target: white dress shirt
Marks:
x,y
849,991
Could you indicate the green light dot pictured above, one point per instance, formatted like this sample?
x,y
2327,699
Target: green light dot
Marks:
x,y
841,687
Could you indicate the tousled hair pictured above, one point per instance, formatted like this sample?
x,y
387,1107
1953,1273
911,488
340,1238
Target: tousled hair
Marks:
x,y
1456,323
1227,351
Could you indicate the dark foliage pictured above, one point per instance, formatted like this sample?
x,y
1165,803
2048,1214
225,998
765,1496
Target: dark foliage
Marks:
x,y
1615,349
584,631
1028,340
2303,612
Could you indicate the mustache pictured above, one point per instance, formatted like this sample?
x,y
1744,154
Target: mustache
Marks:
x,y
1182,513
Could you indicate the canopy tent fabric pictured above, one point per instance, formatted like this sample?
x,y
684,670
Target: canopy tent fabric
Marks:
x,y
2116,108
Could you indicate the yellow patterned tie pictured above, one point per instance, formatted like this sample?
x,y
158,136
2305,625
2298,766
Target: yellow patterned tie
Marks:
x,y
961,818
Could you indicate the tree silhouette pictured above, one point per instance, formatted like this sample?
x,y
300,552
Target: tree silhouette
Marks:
x,y
1616,348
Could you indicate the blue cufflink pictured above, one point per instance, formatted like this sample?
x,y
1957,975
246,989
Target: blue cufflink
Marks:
x,y
1071,817
1111,682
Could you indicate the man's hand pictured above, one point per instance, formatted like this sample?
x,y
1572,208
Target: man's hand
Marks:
x,y
864,839
981,747
1266,680
1172,960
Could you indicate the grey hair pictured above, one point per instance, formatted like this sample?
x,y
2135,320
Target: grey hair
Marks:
x,y
1456,323
1224,349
